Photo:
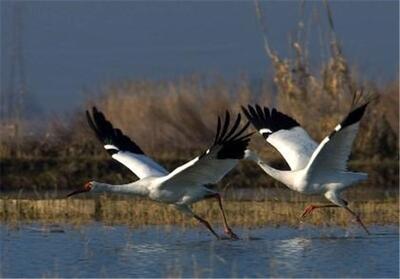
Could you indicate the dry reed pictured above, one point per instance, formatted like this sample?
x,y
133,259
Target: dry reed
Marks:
x,y
328,92
175,120
137,212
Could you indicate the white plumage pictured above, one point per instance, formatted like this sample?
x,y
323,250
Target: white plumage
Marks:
x,y
295,145
315,169
184,185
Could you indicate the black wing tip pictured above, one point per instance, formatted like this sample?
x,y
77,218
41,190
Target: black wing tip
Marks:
x,y
232,140
354,116
107,134
272,119
91,113
232,131
95,111
88,117
233,149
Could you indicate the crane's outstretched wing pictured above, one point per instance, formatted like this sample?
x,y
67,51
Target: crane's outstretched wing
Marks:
x,y
228,147
334,150
284,133
122,148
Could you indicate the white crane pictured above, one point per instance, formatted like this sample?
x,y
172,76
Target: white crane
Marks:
x,y
315,169
183,186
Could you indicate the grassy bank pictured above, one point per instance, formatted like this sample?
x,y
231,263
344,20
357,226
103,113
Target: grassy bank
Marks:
x,y
137,212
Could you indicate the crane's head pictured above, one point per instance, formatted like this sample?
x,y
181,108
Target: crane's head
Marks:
x,y
88,186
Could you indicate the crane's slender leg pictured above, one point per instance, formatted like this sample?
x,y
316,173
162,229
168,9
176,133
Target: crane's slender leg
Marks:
x,y
227,229
311,208
357,219
204,222
187,210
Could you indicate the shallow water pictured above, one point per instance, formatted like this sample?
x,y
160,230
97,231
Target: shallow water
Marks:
x,y
95,250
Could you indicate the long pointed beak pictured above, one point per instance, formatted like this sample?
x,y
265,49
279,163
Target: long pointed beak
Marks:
x,y
77,192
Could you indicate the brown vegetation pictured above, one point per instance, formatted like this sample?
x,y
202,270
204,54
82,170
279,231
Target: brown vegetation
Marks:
x,y
175,120
137,212
58,174
174,126
178,118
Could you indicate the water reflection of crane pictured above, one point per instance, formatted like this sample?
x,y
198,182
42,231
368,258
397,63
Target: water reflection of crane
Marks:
x,y
13,95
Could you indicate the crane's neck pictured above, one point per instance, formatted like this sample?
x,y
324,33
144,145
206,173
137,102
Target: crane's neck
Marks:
x,y
281,176
285,177
125,189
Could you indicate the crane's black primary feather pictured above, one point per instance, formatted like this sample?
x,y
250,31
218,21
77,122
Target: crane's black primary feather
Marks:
x,y
352,118
233,129
272,120
107,134
231,141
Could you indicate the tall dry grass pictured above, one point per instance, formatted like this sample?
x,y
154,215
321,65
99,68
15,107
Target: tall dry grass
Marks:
x,y
175,120
175,115
319,97
138,212
179,116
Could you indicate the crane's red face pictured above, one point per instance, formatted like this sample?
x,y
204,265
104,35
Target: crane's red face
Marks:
x,y
86,188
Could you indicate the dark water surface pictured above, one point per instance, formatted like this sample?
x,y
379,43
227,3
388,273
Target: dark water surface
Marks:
x,y
96,250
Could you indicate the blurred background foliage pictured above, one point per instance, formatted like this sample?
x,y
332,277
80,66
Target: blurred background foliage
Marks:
x,y
174,120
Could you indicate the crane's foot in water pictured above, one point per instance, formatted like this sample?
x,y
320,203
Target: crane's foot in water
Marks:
x,y
231,234
358,219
